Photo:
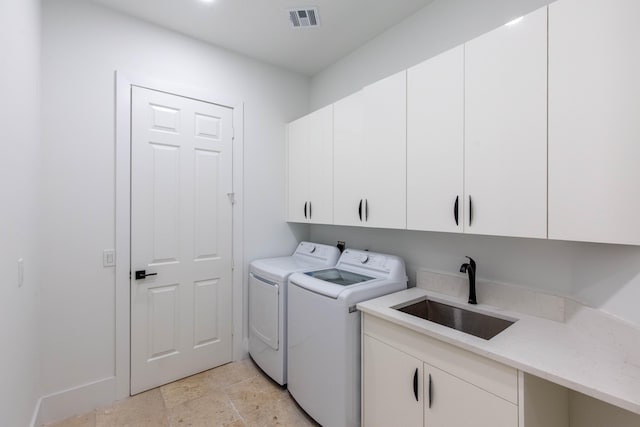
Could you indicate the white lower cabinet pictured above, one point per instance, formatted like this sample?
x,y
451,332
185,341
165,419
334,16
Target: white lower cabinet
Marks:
x,y
393,396
410,379
451,401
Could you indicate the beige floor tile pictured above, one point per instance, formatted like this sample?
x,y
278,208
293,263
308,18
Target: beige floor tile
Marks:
x,y
232,373
254,393
86,420
214,409
145,409
233,395
187,389
282,412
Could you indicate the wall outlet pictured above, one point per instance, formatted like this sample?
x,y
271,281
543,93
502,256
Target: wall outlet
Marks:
x,y
20,272
109,258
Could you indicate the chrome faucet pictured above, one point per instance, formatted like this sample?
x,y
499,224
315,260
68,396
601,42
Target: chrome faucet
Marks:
x,y
470,268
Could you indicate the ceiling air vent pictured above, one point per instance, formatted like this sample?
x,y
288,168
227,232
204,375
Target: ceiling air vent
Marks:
x,y
305,17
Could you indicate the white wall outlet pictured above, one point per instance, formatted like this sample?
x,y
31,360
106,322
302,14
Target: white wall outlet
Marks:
x,y
109,258
20,272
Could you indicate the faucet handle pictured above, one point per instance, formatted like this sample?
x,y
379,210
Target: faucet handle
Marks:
x,y
472,262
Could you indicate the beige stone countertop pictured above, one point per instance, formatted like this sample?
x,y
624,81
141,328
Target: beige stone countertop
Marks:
x,y
589,352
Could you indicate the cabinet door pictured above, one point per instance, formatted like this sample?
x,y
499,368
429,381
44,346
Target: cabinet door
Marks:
x,y
348,155
388,377
385,152
435,141
594,120
506,129
298,175
319,164
450,401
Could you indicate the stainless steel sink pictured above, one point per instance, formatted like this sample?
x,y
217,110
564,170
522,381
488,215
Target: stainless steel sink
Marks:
x,y
470,322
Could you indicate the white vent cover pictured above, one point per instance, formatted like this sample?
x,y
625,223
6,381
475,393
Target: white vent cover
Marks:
x,y
304,17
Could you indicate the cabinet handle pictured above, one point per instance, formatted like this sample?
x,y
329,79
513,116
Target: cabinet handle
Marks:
x,y
366,209
360,210
310,214
305,209
470,211
455,210
430,391
415,384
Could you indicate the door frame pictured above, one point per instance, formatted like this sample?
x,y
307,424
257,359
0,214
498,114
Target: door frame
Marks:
x,y
123,84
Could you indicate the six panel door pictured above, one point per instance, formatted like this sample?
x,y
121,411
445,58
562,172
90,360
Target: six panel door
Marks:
x,y
181,221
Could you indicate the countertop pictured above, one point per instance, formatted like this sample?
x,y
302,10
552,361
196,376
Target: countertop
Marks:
x,y
589,352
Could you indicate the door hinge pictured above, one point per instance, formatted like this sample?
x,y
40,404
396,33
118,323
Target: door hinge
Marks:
x,y
232,198
233,133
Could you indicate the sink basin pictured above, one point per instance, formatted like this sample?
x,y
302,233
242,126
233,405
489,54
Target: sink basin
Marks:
x,y
471,322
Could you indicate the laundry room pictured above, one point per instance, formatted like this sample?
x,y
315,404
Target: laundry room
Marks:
x,y
355,213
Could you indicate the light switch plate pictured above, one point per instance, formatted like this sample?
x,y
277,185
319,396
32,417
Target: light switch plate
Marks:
x,y
109,258
20,272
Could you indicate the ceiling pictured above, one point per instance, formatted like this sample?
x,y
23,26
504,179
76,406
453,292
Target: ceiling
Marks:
x,y
261,28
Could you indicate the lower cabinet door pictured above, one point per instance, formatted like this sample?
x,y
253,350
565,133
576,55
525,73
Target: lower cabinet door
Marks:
x,y
391,389
452,402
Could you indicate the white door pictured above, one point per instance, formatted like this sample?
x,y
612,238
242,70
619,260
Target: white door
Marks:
x,y
506,130
391,386
348,150
435,143
385,152
181,221
594,120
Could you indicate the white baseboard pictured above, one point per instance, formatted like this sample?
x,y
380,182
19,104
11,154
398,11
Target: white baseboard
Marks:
x,y
36,411
74,401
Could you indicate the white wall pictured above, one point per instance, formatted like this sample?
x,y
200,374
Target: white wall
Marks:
x,y
603,276
83,44
19,183
437,27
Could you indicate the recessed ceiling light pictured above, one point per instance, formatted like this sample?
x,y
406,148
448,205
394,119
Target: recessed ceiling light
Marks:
x,y
208,1
514,22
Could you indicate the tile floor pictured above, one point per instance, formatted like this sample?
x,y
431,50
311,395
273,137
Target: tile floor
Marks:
x,y
237,394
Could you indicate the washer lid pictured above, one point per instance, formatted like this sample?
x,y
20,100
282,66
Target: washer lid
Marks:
x,y
328,288
339,277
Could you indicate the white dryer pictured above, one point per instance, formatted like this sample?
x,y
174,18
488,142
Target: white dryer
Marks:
x,y
324,332
268,303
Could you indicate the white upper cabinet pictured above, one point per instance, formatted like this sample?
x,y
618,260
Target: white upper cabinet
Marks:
x,y
385,152
310,162
506,130
370,156
348,160
298,178
594,121
435,143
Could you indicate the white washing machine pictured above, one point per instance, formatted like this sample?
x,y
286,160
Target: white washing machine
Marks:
x,y
324,332
268,303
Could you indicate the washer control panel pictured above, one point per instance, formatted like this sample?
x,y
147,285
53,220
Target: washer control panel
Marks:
x,y
365,259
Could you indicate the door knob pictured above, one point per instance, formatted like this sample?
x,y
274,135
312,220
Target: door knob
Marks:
x,y
141,274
